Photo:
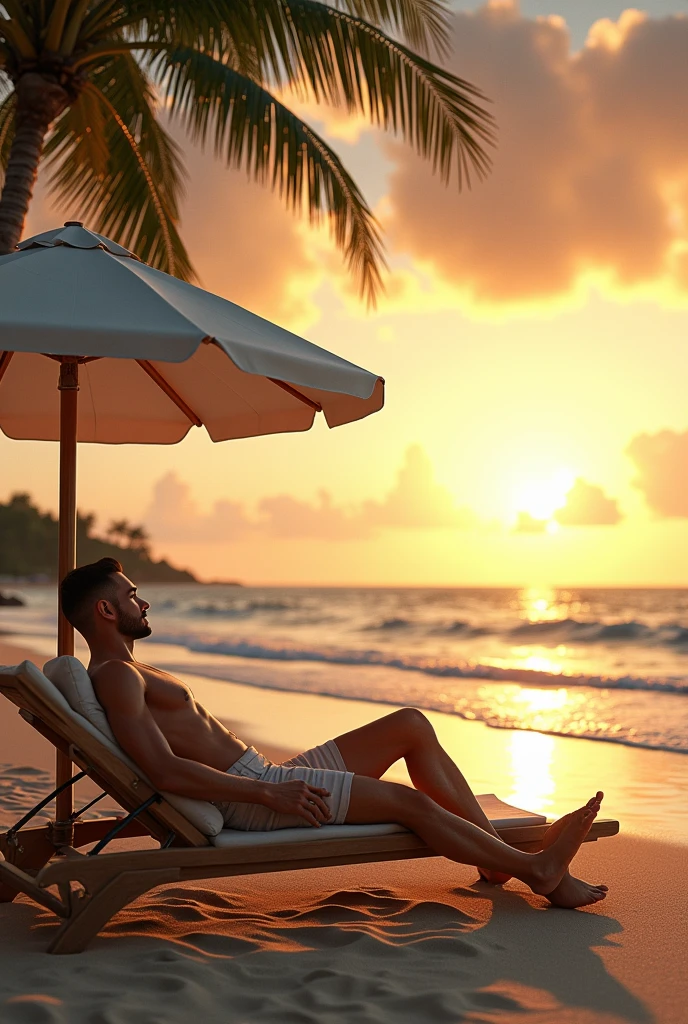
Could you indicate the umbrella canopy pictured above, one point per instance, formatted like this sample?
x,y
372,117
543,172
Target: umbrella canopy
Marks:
x,y
156,355
152,356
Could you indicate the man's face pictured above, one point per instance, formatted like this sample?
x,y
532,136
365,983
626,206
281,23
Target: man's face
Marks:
x,y
130,609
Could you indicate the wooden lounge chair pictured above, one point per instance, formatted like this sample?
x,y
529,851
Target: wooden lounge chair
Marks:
x,y
86,890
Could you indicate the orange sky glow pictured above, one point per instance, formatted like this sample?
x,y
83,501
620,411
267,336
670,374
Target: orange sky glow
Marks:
x,y
533,337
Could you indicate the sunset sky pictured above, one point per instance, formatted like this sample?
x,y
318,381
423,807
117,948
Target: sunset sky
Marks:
x,y
534,338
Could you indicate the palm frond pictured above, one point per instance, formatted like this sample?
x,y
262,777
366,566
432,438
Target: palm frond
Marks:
x,y
339,58
344,61
253,130
166,20
82,136
16,39
128,183
422,24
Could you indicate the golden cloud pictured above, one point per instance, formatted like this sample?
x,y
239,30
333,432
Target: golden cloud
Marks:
x,y
588,505
590,177
416,501
660,460
245,245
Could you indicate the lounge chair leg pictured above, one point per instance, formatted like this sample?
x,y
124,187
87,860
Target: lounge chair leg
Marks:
x,y
91,912
29,851
17,881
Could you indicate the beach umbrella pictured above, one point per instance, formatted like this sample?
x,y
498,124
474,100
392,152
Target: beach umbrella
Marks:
x,y
97,346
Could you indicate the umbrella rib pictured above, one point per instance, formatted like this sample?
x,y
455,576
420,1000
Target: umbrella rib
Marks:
x,y
296,394
5,359
165,386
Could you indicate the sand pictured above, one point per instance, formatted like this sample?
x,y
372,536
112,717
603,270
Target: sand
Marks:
x,y
392,942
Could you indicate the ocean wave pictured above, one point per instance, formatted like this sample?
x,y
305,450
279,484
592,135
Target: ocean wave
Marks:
x,y
549,632
557,631
427,666
462,629
575,631
387,624
238,611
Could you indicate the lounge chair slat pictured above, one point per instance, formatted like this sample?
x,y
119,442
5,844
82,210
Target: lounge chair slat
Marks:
x,y
275,856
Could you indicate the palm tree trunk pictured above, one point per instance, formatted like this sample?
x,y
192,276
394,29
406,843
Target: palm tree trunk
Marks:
x,y
39,102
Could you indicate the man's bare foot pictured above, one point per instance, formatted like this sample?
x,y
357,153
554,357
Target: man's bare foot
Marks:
x,y
499,877
555,829
574,892
549,867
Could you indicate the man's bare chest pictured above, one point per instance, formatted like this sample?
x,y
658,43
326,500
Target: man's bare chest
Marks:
x,y
164,692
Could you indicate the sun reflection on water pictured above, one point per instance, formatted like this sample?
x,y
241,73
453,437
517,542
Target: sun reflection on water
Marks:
x,y
539,604
539,699
539,662
531,764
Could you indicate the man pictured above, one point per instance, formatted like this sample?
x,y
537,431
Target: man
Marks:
x,y
182,748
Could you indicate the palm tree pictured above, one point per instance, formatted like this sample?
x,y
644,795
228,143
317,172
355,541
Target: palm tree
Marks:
x,y
139,539
118,529
83,84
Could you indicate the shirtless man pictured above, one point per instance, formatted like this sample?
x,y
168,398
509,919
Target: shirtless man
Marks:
x,y
184,750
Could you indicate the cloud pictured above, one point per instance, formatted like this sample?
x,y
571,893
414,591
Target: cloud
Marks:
x,y
416,501
246,246
660,460
590,177
173,515
588,505
287,517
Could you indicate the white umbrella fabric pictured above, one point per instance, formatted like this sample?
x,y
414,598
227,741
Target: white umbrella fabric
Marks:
x,y
152,356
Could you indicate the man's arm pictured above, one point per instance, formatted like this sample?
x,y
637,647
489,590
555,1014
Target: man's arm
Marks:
x,y
121,690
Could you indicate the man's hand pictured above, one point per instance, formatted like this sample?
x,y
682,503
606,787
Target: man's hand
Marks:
x,y
298,798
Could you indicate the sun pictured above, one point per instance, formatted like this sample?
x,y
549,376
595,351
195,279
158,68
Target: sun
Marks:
x,y
541,496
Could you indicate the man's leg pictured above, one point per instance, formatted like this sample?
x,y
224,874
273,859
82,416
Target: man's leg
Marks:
x,y
407,733
452,836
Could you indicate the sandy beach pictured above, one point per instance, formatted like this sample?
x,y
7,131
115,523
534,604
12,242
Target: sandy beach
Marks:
x,y
415,941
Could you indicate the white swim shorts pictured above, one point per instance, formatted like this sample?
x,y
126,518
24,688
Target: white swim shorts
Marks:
x,y
321,766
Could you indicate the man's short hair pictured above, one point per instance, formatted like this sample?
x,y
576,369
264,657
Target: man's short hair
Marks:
x,y
84,585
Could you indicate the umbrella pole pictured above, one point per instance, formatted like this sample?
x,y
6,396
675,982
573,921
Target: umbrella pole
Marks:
x,y
69,389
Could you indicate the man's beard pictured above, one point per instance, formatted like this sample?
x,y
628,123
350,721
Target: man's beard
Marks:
x,y
131,626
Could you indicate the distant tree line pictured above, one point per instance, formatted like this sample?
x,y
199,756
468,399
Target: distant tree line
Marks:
x,y
28,545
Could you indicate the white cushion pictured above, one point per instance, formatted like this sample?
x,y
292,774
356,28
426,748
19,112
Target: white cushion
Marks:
x,y
233,837
70,678
74,683
501,814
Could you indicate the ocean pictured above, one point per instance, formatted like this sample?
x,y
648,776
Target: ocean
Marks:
x,y
599,664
